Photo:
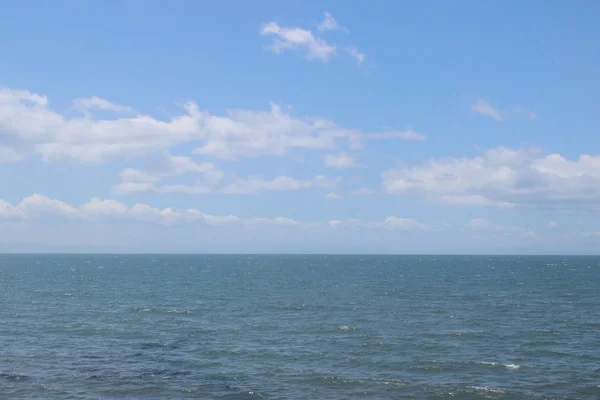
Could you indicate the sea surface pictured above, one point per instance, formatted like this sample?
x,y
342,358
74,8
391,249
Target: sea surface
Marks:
x,y
299,327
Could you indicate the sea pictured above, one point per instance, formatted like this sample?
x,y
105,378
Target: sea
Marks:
x,y
299,327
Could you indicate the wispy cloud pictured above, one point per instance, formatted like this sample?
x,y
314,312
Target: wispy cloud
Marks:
x,y
308,42
341,160
354,52
364,192
97,210
483,107
330,24
393,134
297,38
97,103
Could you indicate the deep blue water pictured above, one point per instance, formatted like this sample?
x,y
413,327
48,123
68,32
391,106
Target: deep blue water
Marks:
x,y
299,327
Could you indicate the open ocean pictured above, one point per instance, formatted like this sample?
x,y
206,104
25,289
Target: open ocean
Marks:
x,y
299,327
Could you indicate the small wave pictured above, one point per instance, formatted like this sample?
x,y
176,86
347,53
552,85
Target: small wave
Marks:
x,y
497,364
348,328
163,310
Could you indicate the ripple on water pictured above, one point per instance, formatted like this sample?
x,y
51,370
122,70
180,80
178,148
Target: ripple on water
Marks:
x,y
292,327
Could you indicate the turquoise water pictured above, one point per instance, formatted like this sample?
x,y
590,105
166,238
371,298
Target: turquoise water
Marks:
x,y
299,327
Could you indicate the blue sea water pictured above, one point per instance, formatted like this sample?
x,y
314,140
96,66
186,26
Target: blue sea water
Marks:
x,y
299,327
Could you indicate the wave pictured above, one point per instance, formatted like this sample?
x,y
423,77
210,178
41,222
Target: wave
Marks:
x,y
162,310
497,364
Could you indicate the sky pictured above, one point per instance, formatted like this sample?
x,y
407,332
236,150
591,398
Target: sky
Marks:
x,y
455,127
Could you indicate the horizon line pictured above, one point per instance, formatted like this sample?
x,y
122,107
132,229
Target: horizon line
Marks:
x,y
307,254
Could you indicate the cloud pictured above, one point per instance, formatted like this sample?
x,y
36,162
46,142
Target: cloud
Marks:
x,y
91,103
254,185
103,208
527,234
482,225
403,224
479,223
307,42
484,108
29,125
364,192
475,200
134,180
389,223
552,225
333,196
354,52
97,210
392,134
330,24
8,211
503,177
341,160
297,38
37,204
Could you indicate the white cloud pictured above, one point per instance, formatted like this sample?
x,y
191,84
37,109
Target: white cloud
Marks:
x,y
552,225
389,223
8,211
479,223
482,107
103,208
341,160
333,196
215,220
357,54
475,200
195,189
403,224
297,38
255,185
280,221
502,177
364,192
167,216
91,103
38,204
134,180
133,187
29,125
304,40
527,234
330,24
392,134
96,210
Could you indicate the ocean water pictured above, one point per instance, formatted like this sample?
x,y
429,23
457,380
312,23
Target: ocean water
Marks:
x,y
299,327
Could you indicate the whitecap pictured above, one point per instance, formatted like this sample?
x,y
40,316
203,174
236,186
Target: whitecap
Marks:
x,y
497,364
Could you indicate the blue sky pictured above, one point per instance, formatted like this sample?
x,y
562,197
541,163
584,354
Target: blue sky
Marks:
x,y
154,126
